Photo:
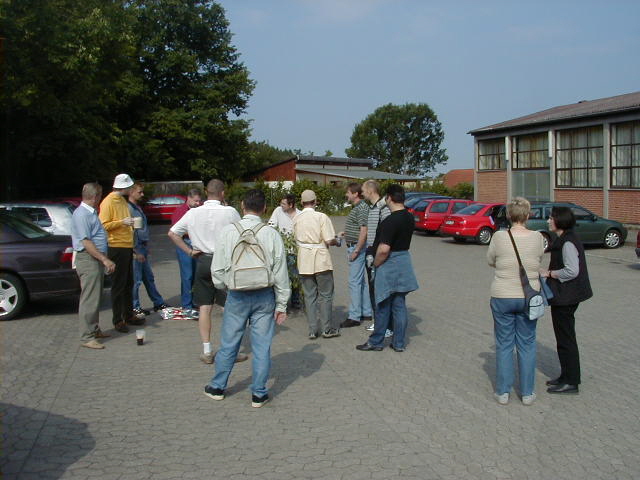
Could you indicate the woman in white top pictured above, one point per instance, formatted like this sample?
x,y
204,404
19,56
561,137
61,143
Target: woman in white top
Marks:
x,y
512,326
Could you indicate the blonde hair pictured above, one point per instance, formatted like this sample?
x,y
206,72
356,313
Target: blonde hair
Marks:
x,y
518,210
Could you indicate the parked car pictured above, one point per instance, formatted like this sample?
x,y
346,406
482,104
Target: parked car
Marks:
x,y
53,217
592,229
161,208
430,219
410,202
33,264
476,221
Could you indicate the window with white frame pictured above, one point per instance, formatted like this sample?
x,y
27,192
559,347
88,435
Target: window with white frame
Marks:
x,y
491,154
579,157
530,151
625,155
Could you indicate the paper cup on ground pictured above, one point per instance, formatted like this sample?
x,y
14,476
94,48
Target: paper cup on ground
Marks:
x,y
140,336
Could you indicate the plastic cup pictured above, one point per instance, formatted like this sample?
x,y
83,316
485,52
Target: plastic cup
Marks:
x,y
140,336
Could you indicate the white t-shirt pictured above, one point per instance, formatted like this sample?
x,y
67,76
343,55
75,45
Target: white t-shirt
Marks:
x,y
204,223
282,221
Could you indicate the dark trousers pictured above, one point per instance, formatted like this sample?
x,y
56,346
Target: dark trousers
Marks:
x,y
564,326
121,283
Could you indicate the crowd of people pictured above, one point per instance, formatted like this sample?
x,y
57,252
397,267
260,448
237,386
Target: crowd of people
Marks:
x,y
241,264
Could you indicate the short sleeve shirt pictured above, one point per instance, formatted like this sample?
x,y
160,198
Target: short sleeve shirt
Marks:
x,y
377,213
356,219
396,231
311,229
85,225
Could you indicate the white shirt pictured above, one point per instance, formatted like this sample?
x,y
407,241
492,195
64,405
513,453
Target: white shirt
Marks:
x,y
204,223
272,244
282,221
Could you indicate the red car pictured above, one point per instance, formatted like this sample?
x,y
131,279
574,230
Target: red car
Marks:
x,y
431,217
476,221
161,208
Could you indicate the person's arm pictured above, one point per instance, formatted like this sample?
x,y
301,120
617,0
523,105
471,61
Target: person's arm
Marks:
x,y
362,241
571,264
491,253
178,231
382,253
107,217
281,285
326,231
273,220
91,249
219,262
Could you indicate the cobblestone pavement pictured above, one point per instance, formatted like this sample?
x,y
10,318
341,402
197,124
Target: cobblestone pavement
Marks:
x,y
130,412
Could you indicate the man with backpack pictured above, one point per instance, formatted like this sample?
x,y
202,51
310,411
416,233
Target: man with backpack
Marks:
x,y
251,262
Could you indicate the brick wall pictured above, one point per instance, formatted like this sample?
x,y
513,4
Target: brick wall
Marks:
x,y
492,186
624,206
591,199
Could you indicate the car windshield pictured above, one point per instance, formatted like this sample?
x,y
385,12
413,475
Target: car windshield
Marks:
x,y
411,202
422,205
471,209
23,227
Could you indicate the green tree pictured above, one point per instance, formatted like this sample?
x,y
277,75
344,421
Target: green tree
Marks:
x,y
262,154
400,138
195,87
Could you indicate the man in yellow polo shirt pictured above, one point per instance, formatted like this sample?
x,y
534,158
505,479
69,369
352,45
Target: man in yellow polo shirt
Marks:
x,y
116,220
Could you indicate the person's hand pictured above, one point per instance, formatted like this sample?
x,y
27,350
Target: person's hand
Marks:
x,y
109,266
353,256
341,234
140,257
128,221
544,273
195,253
280,317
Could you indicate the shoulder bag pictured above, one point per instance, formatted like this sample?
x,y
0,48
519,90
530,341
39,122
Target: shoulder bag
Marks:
x,y
533,301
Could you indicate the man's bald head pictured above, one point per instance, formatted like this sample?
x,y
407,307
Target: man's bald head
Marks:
x,y
215,189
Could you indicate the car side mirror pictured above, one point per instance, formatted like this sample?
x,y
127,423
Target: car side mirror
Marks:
x,y
594,218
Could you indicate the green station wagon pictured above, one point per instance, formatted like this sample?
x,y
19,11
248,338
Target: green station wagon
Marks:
x,y
592,229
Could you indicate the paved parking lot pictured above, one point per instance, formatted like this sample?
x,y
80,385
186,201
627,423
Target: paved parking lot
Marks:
x,y
130,412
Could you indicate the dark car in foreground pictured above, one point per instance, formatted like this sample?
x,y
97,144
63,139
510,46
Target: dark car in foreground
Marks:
x,y
592,229
33,264
161,208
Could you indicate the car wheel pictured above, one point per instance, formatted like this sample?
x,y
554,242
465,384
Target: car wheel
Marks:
x,y
12,296
460,239
484,236
612,239
547,240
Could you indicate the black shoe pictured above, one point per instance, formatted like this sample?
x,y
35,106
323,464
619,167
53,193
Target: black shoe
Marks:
x,y
134,320
121,327
141,312
257,402
563,388
161,307
332,332
396,349
367,347
348,323
215,393
557,381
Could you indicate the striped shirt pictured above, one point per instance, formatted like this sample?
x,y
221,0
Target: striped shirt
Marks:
x,y
377,213
358,217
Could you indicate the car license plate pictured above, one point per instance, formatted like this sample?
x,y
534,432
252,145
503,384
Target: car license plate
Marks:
x,y
449,222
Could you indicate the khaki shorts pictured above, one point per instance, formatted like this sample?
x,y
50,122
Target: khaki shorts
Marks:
x,y
204,293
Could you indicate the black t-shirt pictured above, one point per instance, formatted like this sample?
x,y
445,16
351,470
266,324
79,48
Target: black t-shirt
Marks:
x,y
396,231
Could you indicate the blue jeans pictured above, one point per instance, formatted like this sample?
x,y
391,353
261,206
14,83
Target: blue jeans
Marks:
x,y
360,304
257,309
187,270
396,307
142,274
513,328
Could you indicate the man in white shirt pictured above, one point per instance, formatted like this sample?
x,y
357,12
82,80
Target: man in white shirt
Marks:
x,y
203,225
282,217
257,309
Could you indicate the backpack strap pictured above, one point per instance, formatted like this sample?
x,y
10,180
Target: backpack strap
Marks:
x,y
256,228
238,227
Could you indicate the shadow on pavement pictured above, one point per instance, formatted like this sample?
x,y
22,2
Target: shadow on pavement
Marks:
x,y
287,367
40,443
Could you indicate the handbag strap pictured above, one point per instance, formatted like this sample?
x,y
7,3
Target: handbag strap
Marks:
x,y
524,279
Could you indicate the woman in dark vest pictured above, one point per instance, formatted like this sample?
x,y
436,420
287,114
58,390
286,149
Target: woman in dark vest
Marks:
x,y
568,279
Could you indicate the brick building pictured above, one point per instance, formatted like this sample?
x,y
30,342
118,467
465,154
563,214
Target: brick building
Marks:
x,y
586,153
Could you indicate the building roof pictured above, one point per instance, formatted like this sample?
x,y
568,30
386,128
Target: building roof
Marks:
x,y
460,175
333,160
374,174
582,109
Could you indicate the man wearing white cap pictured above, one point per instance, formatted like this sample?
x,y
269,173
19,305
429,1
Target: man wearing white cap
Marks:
x,y
117,221
314,233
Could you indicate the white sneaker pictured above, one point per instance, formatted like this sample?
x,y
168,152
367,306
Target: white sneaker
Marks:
x,y
369,328
388,333
502,399
528,399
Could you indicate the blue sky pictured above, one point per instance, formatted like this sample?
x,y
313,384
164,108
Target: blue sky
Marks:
x,y
322,66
